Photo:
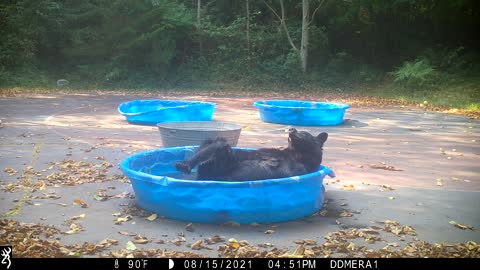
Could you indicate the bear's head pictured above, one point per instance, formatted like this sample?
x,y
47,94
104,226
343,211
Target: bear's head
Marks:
x,y
308,148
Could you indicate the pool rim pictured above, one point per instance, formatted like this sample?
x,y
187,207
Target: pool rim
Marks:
x,y
188,103
263,104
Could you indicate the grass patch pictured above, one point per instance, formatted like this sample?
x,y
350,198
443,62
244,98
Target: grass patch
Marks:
x,y
458,94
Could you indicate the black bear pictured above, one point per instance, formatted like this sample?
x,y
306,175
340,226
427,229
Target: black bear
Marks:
x,y
216,160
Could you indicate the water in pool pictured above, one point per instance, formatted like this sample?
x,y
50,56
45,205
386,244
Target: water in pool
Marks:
x,y
178,175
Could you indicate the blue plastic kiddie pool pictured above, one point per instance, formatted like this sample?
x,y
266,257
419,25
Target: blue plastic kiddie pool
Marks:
x,y
152,112
301,113
160,188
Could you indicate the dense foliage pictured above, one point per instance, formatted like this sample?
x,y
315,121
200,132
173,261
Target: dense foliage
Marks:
x,y
164,43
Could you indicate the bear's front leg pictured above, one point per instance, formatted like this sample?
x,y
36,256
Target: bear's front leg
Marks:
x,y
182,166
206,153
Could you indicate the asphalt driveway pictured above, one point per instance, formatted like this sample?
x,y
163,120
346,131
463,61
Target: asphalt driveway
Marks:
x,y
397,169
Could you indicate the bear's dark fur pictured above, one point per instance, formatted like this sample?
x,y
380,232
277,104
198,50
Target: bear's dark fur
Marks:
x,y
216,160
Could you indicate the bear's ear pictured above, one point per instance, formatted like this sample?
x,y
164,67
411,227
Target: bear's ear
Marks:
x,y
322,137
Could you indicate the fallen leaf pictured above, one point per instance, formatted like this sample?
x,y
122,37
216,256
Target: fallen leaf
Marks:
x,y
384,167
108,242
265,245
48,196
179,241
40,185
351,246
244,243
140,240
461,226
10,171
100,197
323,213
123,233
71,231
121,195
299,250
408,230
396,230
215,239
390,222
372,254
120,220
189,227
197,245
439,182
78,217
472,245
152,217
306,242
387,187
346,214
130,246
348,187
81,203
234,245
74,228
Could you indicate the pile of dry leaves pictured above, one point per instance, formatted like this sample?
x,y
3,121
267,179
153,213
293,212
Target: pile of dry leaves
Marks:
x,y
67,172
33,240
79,172
344,243
38,240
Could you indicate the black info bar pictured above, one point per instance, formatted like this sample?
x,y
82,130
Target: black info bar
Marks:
x,y
237,263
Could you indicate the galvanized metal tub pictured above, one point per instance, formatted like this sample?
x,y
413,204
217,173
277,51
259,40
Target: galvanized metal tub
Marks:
x,y
195,132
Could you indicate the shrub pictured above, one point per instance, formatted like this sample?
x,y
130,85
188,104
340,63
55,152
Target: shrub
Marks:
x,y
416,72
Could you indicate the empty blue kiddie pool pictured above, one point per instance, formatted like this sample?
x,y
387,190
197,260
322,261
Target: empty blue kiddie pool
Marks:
x,y
152,112
301,113
160,188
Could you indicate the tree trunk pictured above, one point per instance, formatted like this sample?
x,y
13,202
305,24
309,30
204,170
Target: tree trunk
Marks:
x,y
199,8
304,41
199,21
283,23
303,51
248,29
